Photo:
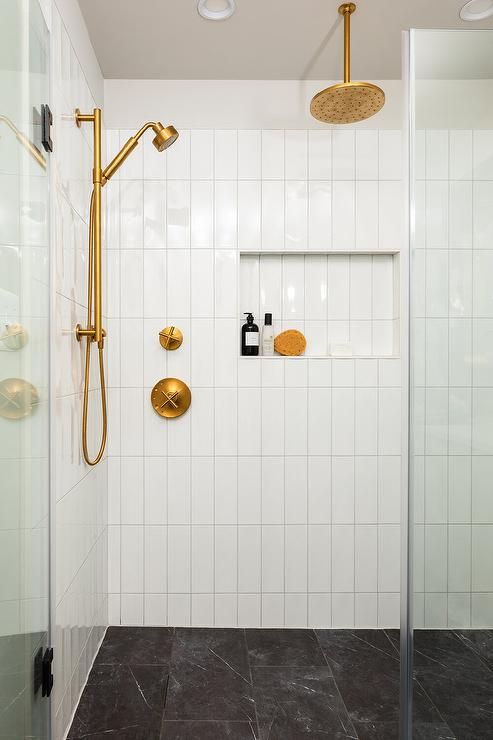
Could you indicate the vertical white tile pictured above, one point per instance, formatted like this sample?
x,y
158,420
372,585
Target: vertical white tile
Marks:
x,y
320,155
296,155
225,559
342,558
202,214
272,492
319,489
319,215
296,209
343,155
132,559
178,560
154,215
366,155
202,559
272,154
249,559
366,558
202,154
295,493
296,558
342,421
366,215
390,155
249,490
272,215
343,490
155,556
343,215
272,559
202,283
178,214
225,155
437,155
249,155
249,215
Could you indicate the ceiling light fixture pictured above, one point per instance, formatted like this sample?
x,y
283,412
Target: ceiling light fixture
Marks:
x,y
216,10
476,10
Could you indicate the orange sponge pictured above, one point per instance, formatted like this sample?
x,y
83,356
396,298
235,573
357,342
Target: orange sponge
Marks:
x,y
291,342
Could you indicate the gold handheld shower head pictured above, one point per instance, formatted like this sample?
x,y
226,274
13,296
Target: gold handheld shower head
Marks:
x,y
347,102
165,137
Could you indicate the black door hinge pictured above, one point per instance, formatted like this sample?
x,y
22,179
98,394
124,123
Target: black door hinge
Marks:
x,y
43,676
46,124
47,682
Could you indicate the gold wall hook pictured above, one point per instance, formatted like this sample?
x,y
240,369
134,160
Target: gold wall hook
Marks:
x,y
171,397
170,338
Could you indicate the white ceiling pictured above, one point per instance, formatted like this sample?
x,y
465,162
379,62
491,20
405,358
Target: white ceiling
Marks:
x,y
265,39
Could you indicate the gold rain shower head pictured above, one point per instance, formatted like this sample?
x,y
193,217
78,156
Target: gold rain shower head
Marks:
x,y
347,102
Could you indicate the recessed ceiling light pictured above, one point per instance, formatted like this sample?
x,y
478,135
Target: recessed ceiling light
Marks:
x,y
476,10
216,10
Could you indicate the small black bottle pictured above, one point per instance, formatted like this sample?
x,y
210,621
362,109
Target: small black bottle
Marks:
x,y
250,337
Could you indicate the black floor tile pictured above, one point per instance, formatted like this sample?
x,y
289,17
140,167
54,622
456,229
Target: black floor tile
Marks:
x,y
283,647
366,668
210,677
299,702
390,731
136,646
212,730
480,641
122,699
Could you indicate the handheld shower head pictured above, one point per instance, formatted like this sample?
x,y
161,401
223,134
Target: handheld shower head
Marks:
x,y
165,136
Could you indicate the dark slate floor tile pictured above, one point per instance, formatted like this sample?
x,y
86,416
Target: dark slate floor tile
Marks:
x,y
377,730
390,731
463,697
283,647
442,648
212,730
130,733
208,690
121,699
212,647
297,702
480,641
136,646
366,668
210,676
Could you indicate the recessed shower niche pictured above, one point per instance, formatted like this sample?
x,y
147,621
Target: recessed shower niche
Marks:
x,y
344,303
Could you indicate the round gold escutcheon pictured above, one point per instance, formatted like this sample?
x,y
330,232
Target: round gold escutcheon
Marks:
x,y
17,398
171,397
170,338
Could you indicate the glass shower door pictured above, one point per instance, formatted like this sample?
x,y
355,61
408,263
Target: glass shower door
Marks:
x,y
24,371
451,382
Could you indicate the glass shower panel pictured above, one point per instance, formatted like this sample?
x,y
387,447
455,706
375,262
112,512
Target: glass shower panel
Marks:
x,y
451,381
24,370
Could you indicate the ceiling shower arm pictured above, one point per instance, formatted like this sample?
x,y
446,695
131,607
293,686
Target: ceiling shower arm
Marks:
x,y
346,10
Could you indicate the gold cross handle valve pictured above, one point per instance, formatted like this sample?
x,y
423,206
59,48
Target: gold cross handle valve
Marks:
x,y
171,397
170,337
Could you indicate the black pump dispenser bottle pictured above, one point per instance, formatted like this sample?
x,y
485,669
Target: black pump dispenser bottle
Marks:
x,y
250,337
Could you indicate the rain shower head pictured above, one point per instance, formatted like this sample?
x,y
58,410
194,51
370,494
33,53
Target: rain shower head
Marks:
x,y
347,102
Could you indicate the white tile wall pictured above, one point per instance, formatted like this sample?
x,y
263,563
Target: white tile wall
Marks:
x,y
453,410
79,540
274,500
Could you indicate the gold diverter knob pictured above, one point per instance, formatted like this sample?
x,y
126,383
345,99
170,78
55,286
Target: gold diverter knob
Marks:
x,y
171,397
170,337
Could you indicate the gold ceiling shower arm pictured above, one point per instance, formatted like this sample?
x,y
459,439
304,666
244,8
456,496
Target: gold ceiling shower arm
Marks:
x,y
346,10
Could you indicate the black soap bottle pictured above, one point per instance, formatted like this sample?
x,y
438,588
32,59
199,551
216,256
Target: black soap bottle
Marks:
x,y
250,337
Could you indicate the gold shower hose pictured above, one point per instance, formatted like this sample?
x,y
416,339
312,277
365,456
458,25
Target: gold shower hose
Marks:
x,y
87,368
